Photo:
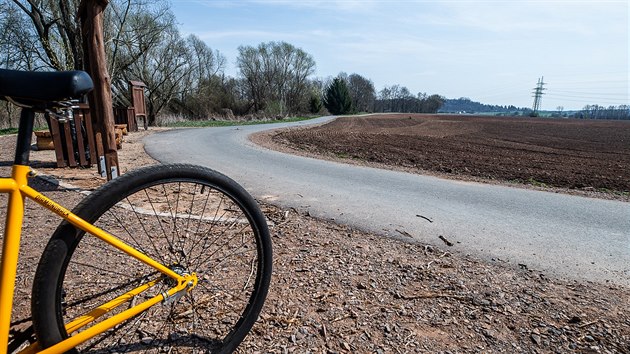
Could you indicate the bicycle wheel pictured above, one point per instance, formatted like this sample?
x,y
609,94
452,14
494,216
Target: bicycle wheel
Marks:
x,y
191,219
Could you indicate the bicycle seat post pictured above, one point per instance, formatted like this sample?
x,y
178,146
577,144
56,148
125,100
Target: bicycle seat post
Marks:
x,y
25,131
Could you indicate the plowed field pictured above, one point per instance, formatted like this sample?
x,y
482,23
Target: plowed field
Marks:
x,y
566,153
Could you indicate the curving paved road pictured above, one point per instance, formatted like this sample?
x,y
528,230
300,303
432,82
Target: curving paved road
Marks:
x,y
574,237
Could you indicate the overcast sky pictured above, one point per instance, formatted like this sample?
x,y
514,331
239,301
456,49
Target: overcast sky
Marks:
x,y
490,51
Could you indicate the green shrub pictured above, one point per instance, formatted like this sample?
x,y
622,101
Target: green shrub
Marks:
x,y
337,98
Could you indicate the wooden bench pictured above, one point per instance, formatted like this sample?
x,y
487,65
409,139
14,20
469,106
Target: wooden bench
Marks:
x,y
126,116
74,141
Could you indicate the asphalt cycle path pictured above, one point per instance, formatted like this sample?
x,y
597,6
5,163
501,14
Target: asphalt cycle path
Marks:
x,y
569,236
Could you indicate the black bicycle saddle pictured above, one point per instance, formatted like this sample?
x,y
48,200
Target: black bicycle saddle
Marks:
x,y
36,87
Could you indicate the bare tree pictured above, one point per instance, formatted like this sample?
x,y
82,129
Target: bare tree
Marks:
x,y
56,28
206,62
163,68
16,44
136,30
183,76
276,75
362,93
202,91
397,98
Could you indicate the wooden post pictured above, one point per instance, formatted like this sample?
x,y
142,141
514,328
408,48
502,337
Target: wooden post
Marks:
x,y
57,142
138,102
84,112
101,106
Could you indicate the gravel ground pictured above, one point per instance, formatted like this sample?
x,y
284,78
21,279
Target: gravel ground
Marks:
x,y
339,290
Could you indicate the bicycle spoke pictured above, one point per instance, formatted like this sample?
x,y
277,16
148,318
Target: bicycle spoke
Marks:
x,y
219,248
146,233
157,217
117,289
215,221
173,216
88,265
121,224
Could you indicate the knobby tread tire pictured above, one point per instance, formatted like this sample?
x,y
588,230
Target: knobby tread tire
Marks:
x,y
48,289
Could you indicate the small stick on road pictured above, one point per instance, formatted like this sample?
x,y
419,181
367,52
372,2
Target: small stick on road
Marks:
x,y
424,217
588,324
448,243
404,233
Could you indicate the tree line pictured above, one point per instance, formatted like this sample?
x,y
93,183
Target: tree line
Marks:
x,y
621,112
466,105
362,97
184,77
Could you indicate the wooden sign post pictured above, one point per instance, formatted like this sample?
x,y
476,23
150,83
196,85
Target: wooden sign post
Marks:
x,y
101,106
137,100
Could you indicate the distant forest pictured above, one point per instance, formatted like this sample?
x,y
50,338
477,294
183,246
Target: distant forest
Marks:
x,y
467,106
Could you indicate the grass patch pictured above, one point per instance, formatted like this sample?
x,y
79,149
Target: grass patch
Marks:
x,y
8,131
228,123
615,192
536,183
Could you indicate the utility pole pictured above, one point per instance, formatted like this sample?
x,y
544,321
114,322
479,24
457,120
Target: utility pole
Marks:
x,y
538,92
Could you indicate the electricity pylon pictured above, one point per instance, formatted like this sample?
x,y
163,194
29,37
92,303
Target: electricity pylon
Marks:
x,y
538,92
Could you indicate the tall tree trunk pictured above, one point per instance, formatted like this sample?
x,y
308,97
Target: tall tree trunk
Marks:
x,y
101,106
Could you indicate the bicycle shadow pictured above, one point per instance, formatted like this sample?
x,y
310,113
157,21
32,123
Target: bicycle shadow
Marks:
x,y
187,342
34,164
47,184
42,183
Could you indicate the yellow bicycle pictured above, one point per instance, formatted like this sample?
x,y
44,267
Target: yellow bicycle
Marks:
x,y
167,258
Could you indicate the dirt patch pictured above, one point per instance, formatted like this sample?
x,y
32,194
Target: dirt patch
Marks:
x,y
339,290
586,157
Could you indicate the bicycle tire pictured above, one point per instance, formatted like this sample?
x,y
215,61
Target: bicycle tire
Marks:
x,y
191,218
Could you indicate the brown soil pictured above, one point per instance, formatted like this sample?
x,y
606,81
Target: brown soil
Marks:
x,y
579,156
340,290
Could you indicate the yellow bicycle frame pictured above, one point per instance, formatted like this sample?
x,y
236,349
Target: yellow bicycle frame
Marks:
x,y
18,189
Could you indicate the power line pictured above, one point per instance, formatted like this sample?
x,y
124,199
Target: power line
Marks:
x,y
591,94
598,79
593,98
578,93
585,100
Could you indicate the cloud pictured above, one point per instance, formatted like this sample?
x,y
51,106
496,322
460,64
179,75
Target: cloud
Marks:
x,y
539,17
339,5
248,35
330,5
